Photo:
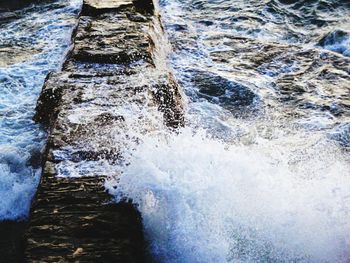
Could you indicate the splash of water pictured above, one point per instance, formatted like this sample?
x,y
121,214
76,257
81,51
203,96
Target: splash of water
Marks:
x,y
203,200
262,187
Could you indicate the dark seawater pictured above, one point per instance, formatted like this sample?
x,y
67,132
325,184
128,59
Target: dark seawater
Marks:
x,y
278,50
261,172
33,42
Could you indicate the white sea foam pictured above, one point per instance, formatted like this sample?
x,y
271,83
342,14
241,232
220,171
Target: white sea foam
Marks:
x,y
205,201
38,38
271,189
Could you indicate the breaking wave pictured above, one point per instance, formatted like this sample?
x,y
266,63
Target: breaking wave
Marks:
x,y
203,200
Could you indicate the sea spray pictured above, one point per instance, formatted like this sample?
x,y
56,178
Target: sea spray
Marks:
x,y
206,201
271,185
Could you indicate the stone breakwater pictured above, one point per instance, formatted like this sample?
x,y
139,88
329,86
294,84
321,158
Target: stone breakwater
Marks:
x,y
114,65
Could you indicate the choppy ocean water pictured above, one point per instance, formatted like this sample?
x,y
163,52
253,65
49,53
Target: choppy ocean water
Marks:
x,y
261,172
31,45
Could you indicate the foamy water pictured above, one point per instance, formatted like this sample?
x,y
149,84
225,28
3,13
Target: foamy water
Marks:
x,y
205,201
261,172
32,45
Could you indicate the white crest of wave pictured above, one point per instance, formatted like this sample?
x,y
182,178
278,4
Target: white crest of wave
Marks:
x,y
204,201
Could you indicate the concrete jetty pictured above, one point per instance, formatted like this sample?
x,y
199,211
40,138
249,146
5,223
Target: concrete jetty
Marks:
x,y
111,67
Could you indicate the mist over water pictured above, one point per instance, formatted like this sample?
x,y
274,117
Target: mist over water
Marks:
x,y
31,45
261,171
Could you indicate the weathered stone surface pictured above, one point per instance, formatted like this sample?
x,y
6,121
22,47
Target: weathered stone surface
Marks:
x,y
111,39
78,215
110,91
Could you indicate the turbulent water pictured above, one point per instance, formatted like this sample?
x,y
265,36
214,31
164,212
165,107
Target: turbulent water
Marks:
x,y
32,44
261,172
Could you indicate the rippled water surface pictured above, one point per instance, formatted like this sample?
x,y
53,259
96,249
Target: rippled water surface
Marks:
x,y
32,44
261,172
